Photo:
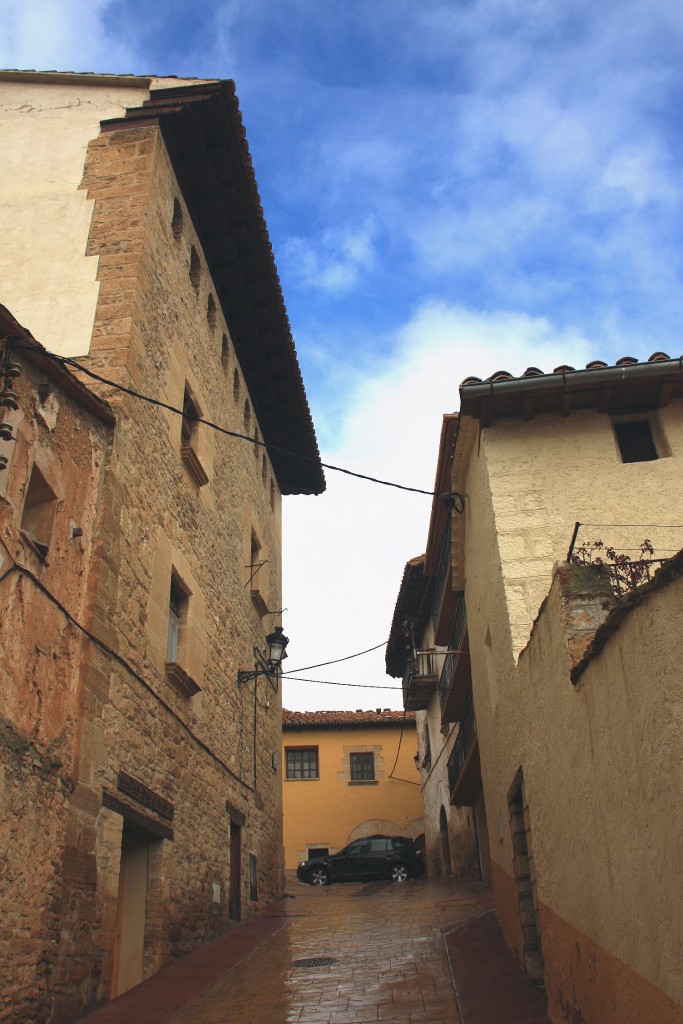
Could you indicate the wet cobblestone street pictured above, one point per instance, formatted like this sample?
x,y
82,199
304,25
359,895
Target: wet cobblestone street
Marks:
x,y
389,958
384,941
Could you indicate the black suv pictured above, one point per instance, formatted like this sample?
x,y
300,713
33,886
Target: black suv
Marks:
x,y
393,857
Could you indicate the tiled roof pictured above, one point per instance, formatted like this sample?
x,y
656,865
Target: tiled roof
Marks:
x,y
629,386
381,717
595,364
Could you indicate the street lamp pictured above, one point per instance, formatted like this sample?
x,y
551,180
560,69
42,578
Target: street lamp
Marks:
x,y
276,643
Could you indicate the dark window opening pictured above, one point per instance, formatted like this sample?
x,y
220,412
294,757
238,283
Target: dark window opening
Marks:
x,y
38,516
362,767
177,611
318,851
189,424
225,353
211,312
177,222
302,763
635,441
195,269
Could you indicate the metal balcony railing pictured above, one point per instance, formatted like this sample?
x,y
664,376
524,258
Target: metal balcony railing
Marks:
x,y
419,679
455,643
464,743
443,566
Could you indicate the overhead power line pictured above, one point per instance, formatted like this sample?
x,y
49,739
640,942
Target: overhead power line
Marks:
x,y
335,661
326,682
65,360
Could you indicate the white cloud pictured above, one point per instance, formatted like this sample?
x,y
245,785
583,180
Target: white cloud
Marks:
x,y
63,35
345,551
336,261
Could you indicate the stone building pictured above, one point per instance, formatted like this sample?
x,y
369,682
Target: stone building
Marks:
x,y
347,775
569,696
138,245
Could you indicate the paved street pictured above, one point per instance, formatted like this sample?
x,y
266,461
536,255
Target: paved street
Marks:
x,y
382,951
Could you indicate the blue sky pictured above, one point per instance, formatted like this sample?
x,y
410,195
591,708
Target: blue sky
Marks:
x,y
450,188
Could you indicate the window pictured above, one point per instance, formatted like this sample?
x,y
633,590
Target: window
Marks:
x,y
302,763
39,512
225,354
195,269
211,312
177,611
177,222
318,851
362,767
635,441
188,440
177,623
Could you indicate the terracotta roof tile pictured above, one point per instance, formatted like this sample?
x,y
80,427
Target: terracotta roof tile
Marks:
x,y
380,718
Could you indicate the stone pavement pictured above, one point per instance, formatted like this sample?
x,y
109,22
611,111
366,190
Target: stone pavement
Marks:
x,y
383,960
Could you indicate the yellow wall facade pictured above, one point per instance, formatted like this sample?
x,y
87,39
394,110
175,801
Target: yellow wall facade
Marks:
x,y
331,810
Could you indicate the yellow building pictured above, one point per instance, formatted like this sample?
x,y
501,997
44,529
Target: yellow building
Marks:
x,y
347,775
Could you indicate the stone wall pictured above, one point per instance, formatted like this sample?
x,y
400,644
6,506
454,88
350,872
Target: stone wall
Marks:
x,y
135,752
153,333
40,651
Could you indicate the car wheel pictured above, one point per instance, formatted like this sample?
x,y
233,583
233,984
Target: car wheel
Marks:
x,y
320,876
399,873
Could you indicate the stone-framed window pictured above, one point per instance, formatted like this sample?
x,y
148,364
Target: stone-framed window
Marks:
x,y
362,766
189,435
178,611
301,763
358,762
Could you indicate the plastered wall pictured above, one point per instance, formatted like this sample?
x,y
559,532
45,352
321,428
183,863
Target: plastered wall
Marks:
x,y
329,812
599,762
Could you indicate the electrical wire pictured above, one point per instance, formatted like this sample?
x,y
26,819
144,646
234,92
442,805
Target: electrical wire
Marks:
x,y
325,682
65,360
24,571
335,661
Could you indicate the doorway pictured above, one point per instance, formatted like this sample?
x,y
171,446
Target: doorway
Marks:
x,y
131,910
235,891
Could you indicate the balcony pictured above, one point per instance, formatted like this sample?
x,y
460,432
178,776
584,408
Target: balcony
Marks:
x,y
464,770
455,681
444,601
420,679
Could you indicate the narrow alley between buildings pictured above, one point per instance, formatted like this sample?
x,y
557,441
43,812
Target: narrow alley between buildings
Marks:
x,y
344,954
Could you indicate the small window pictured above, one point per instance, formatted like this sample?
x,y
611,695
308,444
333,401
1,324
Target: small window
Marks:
x,y
302,763
264,470
188,440
318,851
635,441
211,312
177,222
177,613
362,767
256,446
247,414
195,269
272,495
225,353
190,416
236,385
38,516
